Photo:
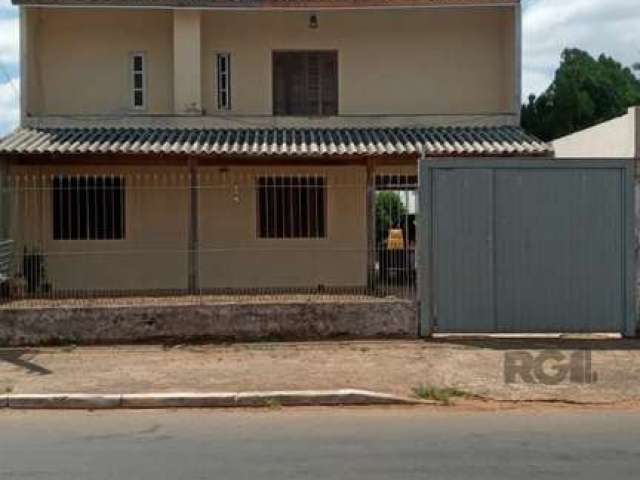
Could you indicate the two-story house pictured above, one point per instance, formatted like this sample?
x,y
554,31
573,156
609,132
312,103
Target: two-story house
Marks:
x,y
233,144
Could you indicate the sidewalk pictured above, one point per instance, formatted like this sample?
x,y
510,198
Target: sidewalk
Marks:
x,y
393,367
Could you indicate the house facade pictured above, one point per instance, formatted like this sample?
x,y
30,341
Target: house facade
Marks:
x,y
170,145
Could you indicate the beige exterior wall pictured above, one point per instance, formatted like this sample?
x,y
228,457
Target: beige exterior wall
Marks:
x,y
617,138
232,255
435,61
186,61
80,60
154,254
397,170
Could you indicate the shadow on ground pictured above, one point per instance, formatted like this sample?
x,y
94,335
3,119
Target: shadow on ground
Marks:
x,y
17,358
543,344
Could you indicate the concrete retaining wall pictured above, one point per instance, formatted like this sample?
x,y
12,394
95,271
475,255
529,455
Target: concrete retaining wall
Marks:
x,y
637,250
225,322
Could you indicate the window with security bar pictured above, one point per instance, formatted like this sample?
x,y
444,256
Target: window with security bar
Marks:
x,y
138,81
291,207
88,208
223,68
396,182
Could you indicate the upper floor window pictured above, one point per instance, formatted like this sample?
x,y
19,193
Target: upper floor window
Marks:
x,y
223,68
305,83
138,81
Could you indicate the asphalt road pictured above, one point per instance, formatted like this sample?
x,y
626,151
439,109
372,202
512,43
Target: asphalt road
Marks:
x,y
319,444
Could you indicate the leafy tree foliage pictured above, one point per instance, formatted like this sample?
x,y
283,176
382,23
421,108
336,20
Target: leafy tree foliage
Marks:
x,y
390,212
586,91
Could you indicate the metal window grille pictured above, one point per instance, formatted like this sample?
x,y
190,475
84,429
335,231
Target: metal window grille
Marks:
x,y
291,207
88,208
138,81
223,62
397,182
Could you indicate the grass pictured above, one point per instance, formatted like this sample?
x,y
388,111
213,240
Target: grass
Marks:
x,y
274,404
441,395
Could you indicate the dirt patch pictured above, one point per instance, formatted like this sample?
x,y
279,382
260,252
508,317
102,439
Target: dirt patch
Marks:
x,y
395,367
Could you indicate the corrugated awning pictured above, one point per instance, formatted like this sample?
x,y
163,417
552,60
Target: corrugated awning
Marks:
x,y
444,141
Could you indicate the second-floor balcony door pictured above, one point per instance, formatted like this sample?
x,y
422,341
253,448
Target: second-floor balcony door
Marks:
x,y
305,83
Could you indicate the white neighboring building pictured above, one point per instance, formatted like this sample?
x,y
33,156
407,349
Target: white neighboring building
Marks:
x,y
617,138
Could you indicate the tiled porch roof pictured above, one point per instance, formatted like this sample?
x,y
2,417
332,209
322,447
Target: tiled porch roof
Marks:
x,y
267,4
304,142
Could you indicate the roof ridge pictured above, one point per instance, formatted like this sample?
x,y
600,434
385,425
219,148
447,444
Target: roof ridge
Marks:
x,y
268,4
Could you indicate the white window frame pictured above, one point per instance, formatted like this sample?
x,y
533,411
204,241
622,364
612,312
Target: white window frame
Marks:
x,y
220,73
133,73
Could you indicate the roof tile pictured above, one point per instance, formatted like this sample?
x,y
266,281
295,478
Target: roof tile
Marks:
x,y
435,141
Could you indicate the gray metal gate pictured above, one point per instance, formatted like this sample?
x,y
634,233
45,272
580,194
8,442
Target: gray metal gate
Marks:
x,y
526,246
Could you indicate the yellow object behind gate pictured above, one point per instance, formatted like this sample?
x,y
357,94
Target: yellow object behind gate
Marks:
x,y
395,240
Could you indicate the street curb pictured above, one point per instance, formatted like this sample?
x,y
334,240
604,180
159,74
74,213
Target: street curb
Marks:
x,y
178,400
70,401
319,398
293,398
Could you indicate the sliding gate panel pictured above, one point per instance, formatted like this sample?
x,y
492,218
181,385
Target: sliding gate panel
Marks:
x,y
462,270
527,246
559,250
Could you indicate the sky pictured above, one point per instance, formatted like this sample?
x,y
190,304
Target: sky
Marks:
x,y
598,26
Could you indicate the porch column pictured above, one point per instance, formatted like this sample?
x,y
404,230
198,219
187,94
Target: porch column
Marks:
x,y
187,87
4,199
31,92
193,241
371,223
517,59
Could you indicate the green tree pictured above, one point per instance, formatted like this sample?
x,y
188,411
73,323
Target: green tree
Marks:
x,y
585,91
390,212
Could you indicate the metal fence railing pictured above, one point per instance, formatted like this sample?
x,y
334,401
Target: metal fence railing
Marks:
x,y
6,256
205,235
